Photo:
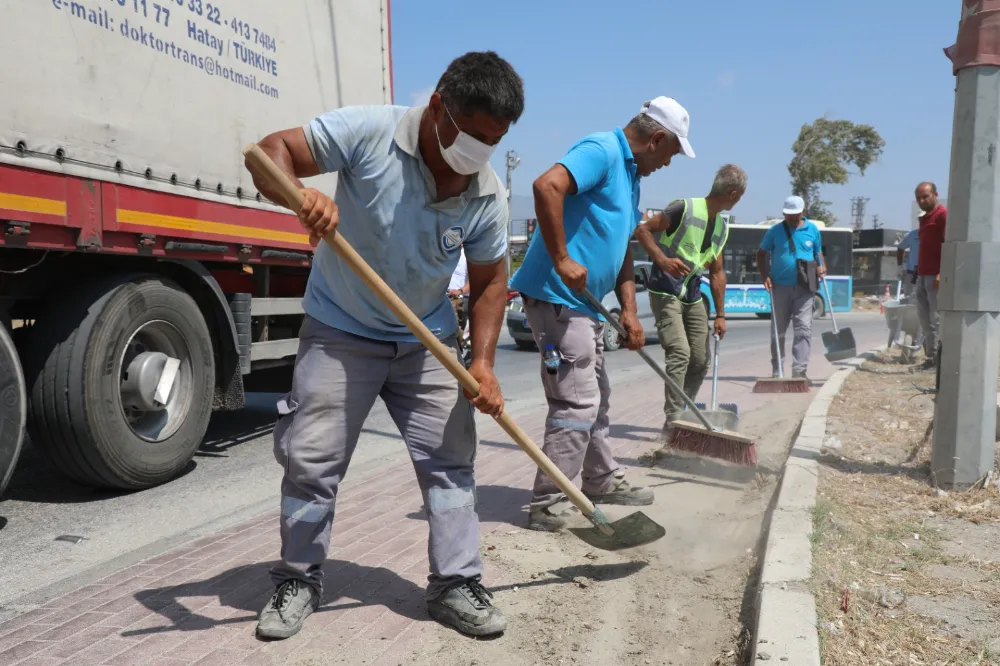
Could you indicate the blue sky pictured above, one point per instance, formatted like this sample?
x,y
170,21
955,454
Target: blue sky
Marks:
x,y
750,74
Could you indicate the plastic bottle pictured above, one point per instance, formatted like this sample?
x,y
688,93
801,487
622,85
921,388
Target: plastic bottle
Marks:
x,y
552,358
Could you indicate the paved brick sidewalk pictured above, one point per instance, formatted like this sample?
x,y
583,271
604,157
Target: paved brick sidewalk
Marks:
x,y
197,604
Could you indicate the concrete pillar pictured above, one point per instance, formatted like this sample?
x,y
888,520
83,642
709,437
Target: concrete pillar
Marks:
x,y
969,299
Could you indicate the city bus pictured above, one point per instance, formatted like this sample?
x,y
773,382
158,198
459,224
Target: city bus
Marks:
x,y
745,293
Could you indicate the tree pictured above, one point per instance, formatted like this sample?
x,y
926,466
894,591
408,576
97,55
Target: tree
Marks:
x,y
823,153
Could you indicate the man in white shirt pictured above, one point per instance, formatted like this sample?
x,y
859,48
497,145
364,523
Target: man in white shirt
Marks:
x,y
458,291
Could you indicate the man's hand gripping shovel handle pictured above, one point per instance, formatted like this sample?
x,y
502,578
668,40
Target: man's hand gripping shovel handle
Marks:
x,y
280,181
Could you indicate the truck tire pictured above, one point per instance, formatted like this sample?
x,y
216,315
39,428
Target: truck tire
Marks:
x,y
13,408
97,409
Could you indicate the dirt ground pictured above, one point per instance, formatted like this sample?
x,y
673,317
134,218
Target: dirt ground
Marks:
x,y
684,600
903,573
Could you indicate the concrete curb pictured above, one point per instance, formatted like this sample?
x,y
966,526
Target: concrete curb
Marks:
x,y
786,619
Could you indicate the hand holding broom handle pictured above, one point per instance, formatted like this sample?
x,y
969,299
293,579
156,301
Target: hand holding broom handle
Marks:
x,y
349,255
649,361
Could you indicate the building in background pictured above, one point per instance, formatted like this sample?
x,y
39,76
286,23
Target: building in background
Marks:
x,y
874,261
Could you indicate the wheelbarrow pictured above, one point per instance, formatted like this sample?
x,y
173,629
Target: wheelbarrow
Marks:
x,y
903,322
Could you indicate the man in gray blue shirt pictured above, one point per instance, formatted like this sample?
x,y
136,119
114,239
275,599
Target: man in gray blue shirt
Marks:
x,y
414,187
784,246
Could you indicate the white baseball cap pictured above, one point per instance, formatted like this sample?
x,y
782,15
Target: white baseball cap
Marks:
x,y
673,117
793,206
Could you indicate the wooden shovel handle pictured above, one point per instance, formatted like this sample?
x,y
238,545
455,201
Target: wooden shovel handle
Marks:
x,y
280,181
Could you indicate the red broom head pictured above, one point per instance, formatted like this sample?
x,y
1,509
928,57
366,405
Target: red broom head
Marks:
x,y
710,446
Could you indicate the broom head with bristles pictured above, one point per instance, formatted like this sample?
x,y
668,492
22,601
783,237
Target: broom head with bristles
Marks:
x,y
781,385
722,444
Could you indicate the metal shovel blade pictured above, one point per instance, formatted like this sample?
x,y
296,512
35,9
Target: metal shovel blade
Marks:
x,y
635,529
722,418
840,346
725,417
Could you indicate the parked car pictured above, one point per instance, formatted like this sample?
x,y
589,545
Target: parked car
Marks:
x,y
517,321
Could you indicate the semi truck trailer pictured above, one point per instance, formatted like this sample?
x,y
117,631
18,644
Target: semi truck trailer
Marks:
x,y
144,282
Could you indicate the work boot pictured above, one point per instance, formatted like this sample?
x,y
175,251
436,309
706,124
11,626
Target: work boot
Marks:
x,y
467,608
800,374
622,492
666,434
288,608
551,518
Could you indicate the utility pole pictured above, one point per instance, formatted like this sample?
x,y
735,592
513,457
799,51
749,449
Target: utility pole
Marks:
x,y
875,223
968,301
858,212
512,163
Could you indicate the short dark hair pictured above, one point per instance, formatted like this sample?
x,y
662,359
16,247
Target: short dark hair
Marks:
x,y
482,81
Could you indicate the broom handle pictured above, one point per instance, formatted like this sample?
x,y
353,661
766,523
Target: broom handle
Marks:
x,y
774,325
649,361
278,179
715,373
833,317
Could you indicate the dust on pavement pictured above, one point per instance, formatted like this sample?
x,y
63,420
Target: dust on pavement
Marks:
x,y
681,601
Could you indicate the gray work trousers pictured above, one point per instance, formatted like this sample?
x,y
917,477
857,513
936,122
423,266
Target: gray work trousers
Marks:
x,y
927,310
337,378
576,430
791,304
909,286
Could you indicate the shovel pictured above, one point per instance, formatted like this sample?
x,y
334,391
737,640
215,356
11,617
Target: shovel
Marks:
x,y
726,415
839,344
635,529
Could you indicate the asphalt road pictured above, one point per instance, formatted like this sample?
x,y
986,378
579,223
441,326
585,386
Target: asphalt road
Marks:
x,y
234,475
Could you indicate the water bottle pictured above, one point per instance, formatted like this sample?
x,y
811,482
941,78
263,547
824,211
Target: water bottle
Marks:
x,y
552,358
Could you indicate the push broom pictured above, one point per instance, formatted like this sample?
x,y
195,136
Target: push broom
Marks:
x,y
703,438
635,529
779,384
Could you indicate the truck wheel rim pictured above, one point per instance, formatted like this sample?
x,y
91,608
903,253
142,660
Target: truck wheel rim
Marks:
x,y
155,378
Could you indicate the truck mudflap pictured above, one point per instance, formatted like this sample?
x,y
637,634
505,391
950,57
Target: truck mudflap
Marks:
x,y
13,405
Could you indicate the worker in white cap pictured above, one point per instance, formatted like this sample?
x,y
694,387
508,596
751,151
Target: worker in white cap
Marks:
x,y
790,260
587,207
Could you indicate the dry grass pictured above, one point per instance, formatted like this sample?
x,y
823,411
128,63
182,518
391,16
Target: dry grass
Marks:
x,y
888,547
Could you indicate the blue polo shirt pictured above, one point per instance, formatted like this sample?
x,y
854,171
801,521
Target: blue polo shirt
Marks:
x,y
388,213
598,220
808,246
911,242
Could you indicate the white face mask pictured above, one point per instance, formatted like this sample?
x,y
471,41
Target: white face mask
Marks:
x,y
467,155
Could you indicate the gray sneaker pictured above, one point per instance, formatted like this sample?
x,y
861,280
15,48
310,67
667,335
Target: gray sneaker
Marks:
x,y
622,492
468,609
288,608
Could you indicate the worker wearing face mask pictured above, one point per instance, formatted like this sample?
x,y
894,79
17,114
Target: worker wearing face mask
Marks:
x,y
415,188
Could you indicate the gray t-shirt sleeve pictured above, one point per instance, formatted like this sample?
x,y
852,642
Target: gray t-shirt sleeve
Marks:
x,y
674,214
337,138
487,242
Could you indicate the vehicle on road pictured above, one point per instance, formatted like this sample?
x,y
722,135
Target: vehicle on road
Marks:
x,y
519,329
745,293
145,282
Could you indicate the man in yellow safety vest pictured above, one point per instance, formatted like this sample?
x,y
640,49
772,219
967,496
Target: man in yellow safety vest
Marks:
x,y
688,235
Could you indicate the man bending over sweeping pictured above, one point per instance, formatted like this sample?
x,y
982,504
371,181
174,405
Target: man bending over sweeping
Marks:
x,y
690,234
415,186
587,207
